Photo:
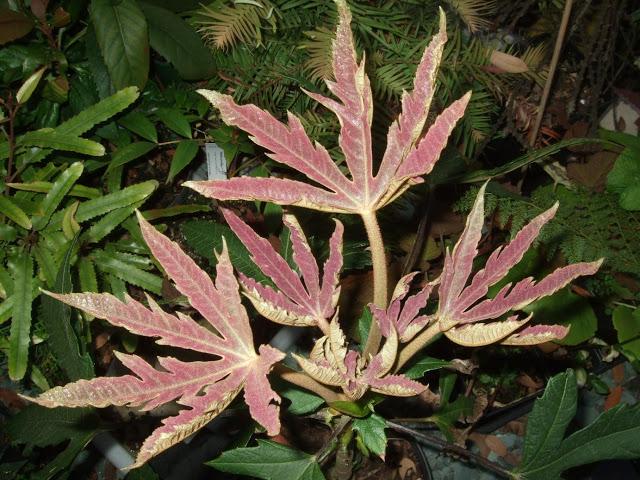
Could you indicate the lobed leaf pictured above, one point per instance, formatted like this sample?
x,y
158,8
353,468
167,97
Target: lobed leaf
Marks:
x,y
404,162
205,387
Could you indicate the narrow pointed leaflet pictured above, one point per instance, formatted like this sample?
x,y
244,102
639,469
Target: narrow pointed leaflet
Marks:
x,y
405,161
205,387
297,301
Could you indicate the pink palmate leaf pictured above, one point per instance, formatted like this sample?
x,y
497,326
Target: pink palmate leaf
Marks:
x,y
299,300
403,317
332,363
205,387
405,161
461,301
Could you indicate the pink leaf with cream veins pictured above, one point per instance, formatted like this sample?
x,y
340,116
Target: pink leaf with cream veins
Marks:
x,y
298,301
405,160
206,387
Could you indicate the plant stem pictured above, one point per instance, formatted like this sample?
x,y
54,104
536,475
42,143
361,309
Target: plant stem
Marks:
x,y
444,446
379,261
417,344
305,381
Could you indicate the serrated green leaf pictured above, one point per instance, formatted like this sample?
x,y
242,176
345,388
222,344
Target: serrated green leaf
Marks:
x,y
549,419
121,31
100,112
14,212
174,211
371,431
21,317
141,125
46,262
49,138
184,155
87,275
39,186
424,365
110,263
109,222
178,42
205,237
56,318
175,121
58,191
269,461
129,153
613,435
102,205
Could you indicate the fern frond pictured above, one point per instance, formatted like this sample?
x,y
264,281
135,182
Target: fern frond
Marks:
x,y
474,12
224,26
318,47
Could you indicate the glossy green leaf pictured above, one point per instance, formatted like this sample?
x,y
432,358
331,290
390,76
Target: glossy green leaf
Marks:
x,y
269,461
13,212
129,153
29,86
70,226
371,431
13,25
52,139
56,317
46,262
21,317
353,409
111,263
627,323
121,31
424,365
140,125
179,43
175,121
184,155
56,194
79,191
87,275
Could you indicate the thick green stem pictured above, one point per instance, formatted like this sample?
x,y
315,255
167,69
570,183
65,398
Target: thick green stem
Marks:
x,y
379,261
417,344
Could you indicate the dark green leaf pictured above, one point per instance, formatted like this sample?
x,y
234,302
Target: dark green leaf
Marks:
x,y
56,317
353,409
175,121
184,155
121,31
302,402
205,237
269,461
174,211
176,41
371,431
624,178
549,419
110,262
52,139
424,365
129,153
14,212
21,316
141,125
